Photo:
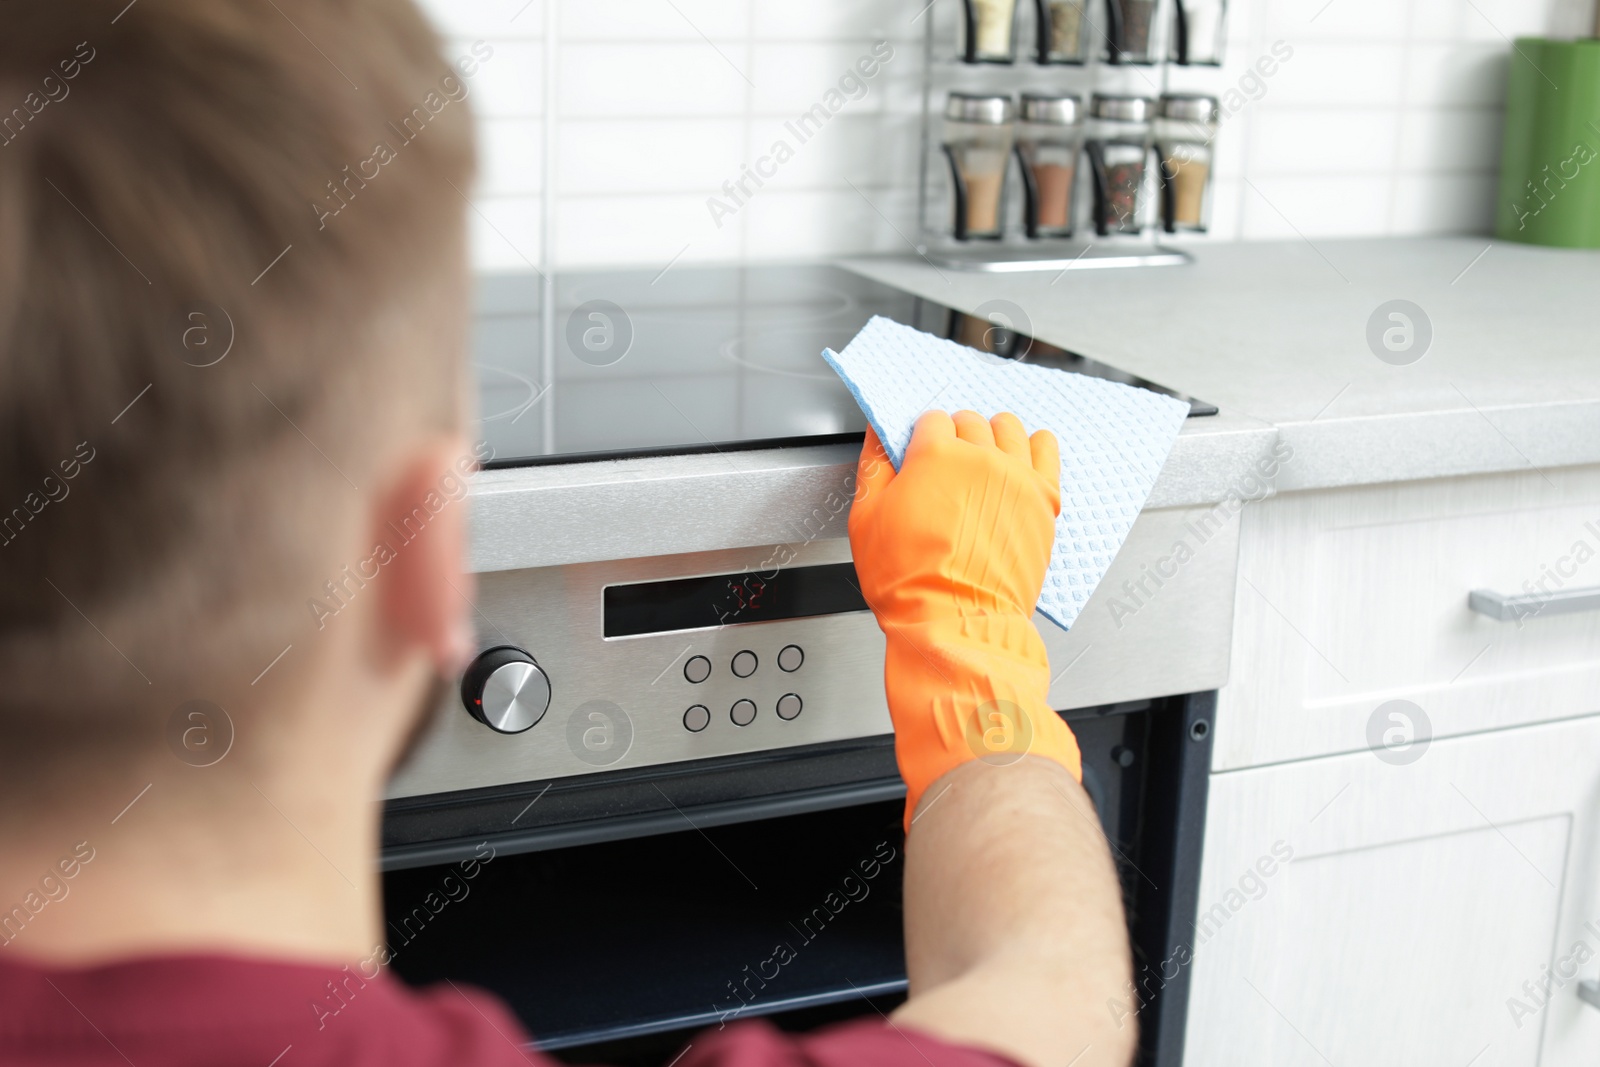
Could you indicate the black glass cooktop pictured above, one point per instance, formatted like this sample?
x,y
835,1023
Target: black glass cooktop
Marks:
x,y
696,359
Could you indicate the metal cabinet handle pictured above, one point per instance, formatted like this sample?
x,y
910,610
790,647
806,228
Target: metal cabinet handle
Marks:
x,y
1509,608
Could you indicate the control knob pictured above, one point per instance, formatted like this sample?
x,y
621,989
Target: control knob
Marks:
x,y
505,690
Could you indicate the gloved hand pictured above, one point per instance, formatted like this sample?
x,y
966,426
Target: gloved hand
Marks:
x,y
951,552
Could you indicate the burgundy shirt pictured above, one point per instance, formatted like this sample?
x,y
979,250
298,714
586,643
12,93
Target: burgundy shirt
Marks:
x,y
187,1011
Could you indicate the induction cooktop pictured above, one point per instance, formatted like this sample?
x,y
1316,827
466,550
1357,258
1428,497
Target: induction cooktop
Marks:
x,y
700,359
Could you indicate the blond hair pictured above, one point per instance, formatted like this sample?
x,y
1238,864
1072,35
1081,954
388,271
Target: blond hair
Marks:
x,y
194,345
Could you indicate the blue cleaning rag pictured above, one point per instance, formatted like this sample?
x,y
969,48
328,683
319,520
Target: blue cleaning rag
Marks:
x,y
1114,438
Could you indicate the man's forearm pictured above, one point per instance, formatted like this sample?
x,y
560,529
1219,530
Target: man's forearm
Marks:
x,y
1015,939
1015,935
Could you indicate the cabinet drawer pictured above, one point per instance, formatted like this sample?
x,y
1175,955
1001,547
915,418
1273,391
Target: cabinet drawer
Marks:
x,y
1354,598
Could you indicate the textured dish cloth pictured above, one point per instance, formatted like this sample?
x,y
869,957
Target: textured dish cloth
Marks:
x,y
1114,438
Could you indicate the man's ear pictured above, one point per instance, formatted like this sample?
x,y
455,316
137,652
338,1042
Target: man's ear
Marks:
x,y
419,547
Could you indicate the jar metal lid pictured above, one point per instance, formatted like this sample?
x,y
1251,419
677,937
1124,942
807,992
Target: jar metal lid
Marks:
x,y
1122,108
1189,108
978,107
1054,110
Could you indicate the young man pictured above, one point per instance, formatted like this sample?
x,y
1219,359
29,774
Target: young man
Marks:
x,y
232,308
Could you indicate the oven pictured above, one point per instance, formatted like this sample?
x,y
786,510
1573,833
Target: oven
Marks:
x,y
671,763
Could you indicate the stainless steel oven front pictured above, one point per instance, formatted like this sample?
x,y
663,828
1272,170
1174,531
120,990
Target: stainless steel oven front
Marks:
x,y
674,740
683,615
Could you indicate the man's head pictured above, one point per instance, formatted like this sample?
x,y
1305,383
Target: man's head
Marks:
x,y
231,329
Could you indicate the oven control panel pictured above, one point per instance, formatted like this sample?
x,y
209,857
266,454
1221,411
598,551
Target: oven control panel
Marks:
x,y
634,663
624,664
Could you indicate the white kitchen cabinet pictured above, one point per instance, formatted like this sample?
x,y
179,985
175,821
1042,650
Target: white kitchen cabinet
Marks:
x,y
1350,598
1415,902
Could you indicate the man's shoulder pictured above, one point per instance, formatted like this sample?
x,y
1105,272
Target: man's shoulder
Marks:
x,y
179,1010
184,1011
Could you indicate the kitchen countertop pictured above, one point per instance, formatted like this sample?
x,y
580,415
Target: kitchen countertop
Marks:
x,y
1274,333
562,513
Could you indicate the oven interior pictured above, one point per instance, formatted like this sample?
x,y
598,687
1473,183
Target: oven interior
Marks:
x,y
618,948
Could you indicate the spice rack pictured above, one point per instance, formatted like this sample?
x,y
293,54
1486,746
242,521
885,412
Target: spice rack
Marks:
x,y
1055,135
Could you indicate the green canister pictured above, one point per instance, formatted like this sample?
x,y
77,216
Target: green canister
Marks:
x,y
1550,159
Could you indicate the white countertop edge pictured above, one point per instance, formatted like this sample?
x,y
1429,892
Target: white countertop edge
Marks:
x,y
1368,450
564,513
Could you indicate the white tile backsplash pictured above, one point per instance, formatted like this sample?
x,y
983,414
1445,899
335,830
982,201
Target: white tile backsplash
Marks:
x,y
655,20
510,82
1386,119
1327,141
866,149
1293,206
1486,21
660,80
1450,140
505,232
1377,21
815,223
1367,74
790,78
1459,75
643,230
493,20
512,157
1444,203
625,156
839,20
1226,201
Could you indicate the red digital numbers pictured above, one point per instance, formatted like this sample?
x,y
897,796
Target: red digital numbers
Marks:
x,y
748,592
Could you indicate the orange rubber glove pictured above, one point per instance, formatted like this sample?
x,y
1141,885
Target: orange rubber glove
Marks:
x,y
951,553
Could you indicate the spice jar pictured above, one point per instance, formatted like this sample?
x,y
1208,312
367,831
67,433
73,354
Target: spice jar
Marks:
x,y
1063,30
1183,136
977,142
989,37
1132,26
1197,31
1049,133
1118,148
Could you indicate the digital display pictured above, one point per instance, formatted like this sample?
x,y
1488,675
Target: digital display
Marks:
x,y
730,599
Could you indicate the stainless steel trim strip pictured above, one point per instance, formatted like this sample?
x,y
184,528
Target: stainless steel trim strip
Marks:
x,y
539,839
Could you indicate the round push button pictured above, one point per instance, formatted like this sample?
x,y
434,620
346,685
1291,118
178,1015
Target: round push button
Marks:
x,y
744,664
790,658
697,670
744,712
697,718
789,706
